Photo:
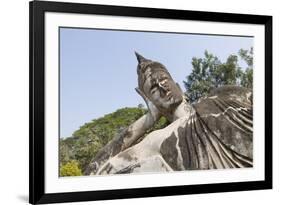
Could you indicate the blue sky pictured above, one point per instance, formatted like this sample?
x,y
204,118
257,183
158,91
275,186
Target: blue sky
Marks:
x,y
98,67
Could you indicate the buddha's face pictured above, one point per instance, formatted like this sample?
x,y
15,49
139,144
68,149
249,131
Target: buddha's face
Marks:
x,y
157,84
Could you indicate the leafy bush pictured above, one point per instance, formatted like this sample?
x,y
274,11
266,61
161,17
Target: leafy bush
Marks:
x,y
70,169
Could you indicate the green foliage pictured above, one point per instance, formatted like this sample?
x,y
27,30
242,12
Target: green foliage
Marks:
x,y
162,122
65,152
247,76
247,56
209,72
70,169
84,143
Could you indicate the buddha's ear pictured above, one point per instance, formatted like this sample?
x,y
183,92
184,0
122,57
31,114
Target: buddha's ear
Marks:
x,y
140,58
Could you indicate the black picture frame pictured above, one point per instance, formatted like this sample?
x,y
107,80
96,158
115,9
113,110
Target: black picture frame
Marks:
x,y
37,9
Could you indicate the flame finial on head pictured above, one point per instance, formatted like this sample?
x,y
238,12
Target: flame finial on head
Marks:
x,y
140,57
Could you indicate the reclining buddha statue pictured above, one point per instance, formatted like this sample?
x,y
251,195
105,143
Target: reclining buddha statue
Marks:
x,y
213,133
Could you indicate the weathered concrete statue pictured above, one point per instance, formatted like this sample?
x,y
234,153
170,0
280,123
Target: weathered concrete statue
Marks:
x,y
214,133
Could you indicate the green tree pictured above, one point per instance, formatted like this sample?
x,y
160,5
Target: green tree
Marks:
x,y
64,152
247,76
70,169
209,72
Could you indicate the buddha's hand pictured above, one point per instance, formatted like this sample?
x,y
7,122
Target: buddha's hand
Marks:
x,y
152,109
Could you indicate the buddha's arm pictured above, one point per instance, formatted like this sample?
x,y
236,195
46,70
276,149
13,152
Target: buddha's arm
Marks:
x,y
139,127
126,138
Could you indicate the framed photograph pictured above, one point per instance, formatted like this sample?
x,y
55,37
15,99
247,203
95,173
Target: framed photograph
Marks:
x,y
130,102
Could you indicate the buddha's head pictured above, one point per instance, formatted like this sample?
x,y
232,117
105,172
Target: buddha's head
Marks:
x,y
157,84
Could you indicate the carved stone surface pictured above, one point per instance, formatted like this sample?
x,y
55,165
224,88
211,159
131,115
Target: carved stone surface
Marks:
x,y
217,135
214,133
